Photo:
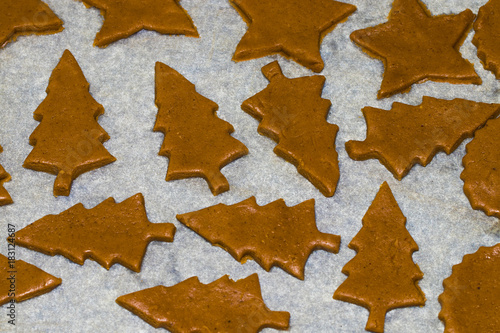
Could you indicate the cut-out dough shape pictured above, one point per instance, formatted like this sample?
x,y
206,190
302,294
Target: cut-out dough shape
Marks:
x,y
487,36
273,235
109,233
221,306
5,198
293,114
382,276
416,46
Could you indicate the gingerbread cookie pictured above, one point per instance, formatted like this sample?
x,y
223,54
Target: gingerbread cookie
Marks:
x,y
25,17
20,281
197,142
416,46
125,18
481,173
382,276
471,298
408,134
5,198
68,141
292,28
109,233
487,36
221,306
292,113
273,235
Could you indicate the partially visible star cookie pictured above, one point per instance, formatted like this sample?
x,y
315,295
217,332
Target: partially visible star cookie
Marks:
x,y
416,46
24,17
124,18
487,36
293,28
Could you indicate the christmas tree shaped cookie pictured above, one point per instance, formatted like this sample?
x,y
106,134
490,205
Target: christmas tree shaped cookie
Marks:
x,y
221,306
197,142
24,17
20,281
292,28
416,46
382,276
292,113
408,134
124,18
109,233
68,141
487,36
273,235
5,198
481,173
471,298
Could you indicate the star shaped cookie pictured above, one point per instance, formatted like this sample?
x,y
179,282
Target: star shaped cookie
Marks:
x,y
124,18
292,28
24,17
416,46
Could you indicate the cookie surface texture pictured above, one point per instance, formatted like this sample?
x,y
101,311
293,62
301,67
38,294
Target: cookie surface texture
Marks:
x,y
487,36
292,113
221,306
109,233
408,134
471,298
20,281
25,17
5,198
68,140
292,28
481,173
273,235
382,276
416,46
197,142
125,18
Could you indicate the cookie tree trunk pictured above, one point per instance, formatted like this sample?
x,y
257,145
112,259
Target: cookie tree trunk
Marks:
x,y
68,141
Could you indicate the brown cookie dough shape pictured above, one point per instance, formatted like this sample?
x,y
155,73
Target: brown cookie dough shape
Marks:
x,y
25,17
292,113
487,36
382,276
471,298
125,18
408,134
292,28
481,173
108,233
197,142
29,281
416,46
68,141
221,306
273,235
5,198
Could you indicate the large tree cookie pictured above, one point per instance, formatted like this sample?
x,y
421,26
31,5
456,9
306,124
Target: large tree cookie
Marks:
x,y
292,113
221,306
68,141
416,46
20,281
382,276
5,198
292,28
125,18
197,142
408,134
471,298
481,173
109,233
25,17
487,36
273,235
